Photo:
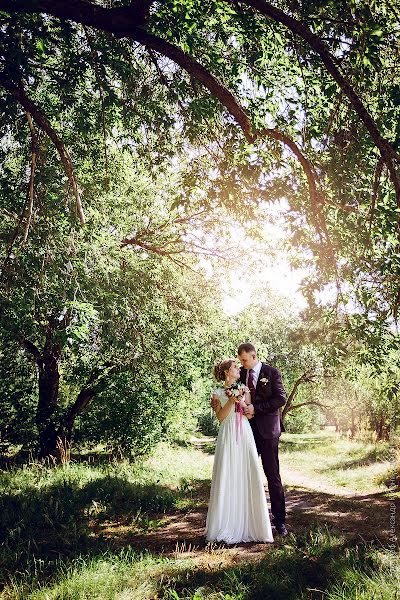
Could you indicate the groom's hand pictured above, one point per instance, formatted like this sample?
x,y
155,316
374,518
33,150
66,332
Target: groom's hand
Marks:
x,y
249,410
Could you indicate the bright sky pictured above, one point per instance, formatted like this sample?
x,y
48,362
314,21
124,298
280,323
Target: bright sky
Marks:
x,y
269,269
280,278
276,273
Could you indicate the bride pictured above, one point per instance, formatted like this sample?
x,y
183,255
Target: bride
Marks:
x,y
237,510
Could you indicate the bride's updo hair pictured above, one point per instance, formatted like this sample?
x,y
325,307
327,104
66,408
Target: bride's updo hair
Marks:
x,y
221,367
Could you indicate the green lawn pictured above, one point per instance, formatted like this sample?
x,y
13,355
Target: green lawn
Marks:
x,y
326,460
316,566
53,522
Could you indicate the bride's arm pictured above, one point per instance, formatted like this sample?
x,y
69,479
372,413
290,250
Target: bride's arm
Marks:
x,y
223,411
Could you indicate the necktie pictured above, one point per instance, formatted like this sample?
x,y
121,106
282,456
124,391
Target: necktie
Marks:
x,y
251,386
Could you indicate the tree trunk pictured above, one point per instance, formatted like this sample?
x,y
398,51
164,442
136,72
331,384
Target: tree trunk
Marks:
x,y
49,378
64,432
353,422
55,431
95,384
307,377
379,425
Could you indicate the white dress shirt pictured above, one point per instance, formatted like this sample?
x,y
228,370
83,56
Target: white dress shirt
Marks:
x,y
256,374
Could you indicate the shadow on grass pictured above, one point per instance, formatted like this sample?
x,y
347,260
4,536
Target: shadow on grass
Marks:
x,y
60,522
120,497
357,517
307,566
363,457
302,444
295,569
45,530
41,526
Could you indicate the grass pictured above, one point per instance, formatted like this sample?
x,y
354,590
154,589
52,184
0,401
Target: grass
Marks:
x,y
53,520
104,576
326,459
317,565
52,514
314,566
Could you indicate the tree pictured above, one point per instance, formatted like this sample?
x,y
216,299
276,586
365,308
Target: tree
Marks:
x,y
94,311
265,100
345,55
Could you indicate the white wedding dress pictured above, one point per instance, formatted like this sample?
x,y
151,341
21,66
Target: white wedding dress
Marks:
x,y
237,510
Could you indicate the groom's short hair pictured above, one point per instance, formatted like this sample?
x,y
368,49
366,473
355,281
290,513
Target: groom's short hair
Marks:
x,y
246,347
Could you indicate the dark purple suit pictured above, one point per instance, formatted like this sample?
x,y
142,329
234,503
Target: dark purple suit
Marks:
x,y
267,426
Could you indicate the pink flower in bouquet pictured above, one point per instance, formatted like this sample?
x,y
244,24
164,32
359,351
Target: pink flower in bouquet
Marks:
x,y
237,390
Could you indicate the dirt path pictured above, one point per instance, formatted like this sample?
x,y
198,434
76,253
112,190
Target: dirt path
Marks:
x,y
180,533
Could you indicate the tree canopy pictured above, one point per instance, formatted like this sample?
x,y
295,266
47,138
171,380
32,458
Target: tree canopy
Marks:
x,y
133,131
291,98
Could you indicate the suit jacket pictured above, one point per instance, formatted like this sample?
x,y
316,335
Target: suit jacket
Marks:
x,y
270,396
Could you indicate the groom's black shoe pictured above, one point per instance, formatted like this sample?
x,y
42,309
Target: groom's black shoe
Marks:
x,y
281,529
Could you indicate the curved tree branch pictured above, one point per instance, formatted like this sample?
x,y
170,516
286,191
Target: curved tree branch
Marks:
x,y
28,201
122,22
32,349
195,69
19,94
308,403
388,153
316,198
128,22
118,20
306,377
301,29
227,99
96,383
35,153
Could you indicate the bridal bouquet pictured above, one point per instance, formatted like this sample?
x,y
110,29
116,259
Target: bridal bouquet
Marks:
x,y
237,390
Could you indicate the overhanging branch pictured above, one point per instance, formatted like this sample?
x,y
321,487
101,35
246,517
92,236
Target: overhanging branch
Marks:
x,y
195,69
19,94
117,20
128,21
122,22
388,153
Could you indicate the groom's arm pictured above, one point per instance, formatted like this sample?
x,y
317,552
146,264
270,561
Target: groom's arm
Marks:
x,y
276,400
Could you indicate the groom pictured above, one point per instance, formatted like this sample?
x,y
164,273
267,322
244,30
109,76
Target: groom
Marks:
x,y
267,396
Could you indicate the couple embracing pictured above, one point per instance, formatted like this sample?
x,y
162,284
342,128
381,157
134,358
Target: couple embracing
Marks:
x,y
247,404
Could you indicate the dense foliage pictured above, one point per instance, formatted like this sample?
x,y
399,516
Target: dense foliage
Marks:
x,y
156,124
